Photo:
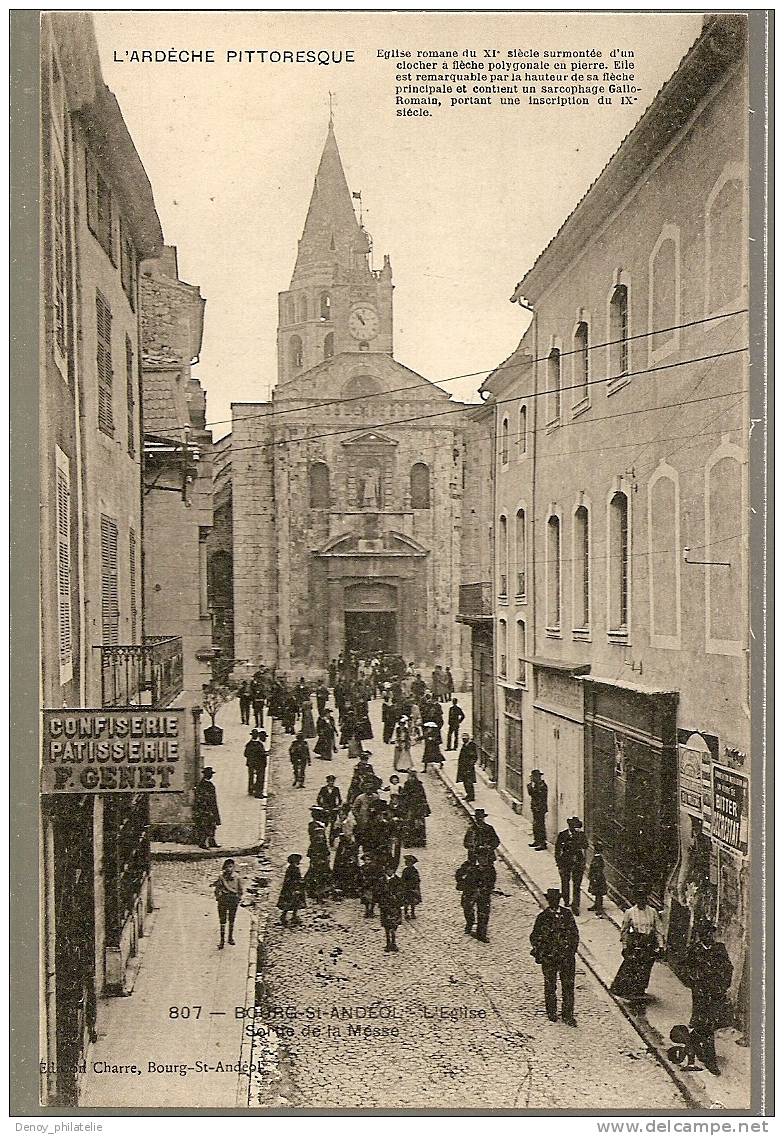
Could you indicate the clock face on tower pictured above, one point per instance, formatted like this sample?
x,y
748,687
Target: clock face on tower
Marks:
x,y
363,322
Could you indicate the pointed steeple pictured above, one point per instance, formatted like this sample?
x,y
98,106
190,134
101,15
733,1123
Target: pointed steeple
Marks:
x,y
332,236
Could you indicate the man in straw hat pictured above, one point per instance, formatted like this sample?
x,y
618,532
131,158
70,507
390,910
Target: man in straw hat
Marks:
x,y
554,942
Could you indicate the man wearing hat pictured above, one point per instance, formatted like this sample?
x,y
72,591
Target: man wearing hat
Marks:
x,y
466,766
292,893
299,754
475,881
571,851
412,889
480,836
537,792
330,799
554,942
709,975
206,817
256,762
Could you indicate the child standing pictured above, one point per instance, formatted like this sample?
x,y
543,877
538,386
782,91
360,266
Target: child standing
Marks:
x,y
412,892
228,893
389,896
597,880
292,894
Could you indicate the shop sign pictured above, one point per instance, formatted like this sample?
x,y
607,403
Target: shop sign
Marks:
x,y
730,797
113,751
690,779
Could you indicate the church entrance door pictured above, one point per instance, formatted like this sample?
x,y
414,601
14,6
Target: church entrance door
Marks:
x,y
371,633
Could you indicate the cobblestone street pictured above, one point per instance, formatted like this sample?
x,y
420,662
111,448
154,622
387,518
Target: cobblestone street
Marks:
x,y
469,1027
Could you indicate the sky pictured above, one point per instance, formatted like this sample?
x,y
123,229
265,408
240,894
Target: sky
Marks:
x,y
462,201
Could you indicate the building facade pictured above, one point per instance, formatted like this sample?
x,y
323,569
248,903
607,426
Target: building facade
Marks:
x,y
177,506
347,487
98,222
621,572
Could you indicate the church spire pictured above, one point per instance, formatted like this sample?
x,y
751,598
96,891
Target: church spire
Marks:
x,y
332,236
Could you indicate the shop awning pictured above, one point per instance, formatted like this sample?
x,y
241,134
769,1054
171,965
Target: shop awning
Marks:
x,y
566,666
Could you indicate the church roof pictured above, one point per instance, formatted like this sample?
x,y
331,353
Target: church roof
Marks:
x,y
330,379
332,235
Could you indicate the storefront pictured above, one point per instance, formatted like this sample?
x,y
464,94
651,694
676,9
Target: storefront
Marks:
x,y
712,876
483,701
631,784
558,738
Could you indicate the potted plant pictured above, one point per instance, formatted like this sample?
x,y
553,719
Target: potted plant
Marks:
x,y
214,695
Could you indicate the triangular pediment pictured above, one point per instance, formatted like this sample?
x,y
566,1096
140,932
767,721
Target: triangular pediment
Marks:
x,y
334,379
370,438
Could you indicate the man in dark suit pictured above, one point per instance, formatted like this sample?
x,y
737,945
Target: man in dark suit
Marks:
x,y
455,715
554,942
537,792
480,836
466,766
206,817
571,851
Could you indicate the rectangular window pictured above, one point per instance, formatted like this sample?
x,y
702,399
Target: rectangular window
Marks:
x,y
100,218
581,363
127,267
110,595
521,650
64,626
103,360
619,332
132,561
130,394
502,648
59,265
554,384
554,574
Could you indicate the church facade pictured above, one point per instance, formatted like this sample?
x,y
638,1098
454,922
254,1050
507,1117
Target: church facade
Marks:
x,y
348,484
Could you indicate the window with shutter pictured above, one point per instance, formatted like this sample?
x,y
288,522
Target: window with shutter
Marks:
x,y
64,626
103,321
99,208
110,600
127,267
134,611
59,282
130,392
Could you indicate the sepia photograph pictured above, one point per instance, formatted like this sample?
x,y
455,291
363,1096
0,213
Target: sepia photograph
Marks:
x,y
399,745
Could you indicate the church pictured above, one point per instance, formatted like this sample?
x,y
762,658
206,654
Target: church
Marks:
x,y
348,484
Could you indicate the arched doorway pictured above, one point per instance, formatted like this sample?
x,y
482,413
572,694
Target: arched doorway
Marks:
x,y
371,624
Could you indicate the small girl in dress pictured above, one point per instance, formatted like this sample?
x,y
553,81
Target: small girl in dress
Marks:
x,y
412,891
292,893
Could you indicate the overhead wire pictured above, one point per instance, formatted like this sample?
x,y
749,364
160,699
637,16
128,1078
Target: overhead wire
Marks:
x,y
322,403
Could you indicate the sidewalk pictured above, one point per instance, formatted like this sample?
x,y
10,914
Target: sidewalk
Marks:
x,y
180,966
601,950
239,831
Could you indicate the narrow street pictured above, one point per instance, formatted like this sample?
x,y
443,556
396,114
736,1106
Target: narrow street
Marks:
x,y
469,1028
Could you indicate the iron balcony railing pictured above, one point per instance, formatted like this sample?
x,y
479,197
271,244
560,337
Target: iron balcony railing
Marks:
x,y
142,674
476,601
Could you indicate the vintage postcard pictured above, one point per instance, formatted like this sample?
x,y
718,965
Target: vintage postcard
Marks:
x,y
401,739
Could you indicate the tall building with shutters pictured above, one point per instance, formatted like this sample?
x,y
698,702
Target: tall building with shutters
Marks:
x,y
348,486
98,221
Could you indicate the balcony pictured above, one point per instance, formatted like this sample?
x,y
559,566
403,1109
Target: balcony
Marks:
x,y
475,604
142,674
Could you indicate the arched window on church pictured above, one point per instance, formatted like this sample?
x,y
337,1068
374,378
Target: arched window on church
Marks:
x,y
420,486
325,306
361,386
318,483
296,356
303,308
329,345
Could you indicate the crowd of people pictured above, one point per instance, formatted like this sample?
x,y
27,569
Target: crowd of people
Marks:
x,y
360,837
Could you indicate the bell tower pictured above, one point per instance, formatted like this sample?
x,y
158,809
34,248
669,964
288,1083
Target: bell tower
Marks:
x,y
336,302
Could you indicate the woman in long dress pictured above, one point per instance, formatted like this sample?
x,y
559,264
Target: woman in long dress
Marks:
x,y
642,940
402,754
307,726
414,812
345,871
326,739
